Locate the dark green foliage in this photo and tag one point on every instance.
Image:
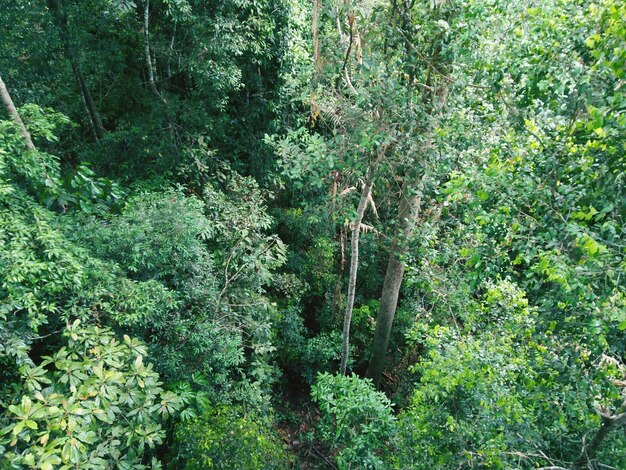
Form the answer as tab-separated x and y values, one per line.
199	303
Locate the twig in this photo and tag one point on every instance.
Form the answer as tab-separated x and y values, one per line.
328	462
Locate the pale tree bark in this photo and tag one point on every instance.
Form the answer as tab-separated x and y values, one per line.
317	54
146	45
61	21
151	69
171	52
408	213
13	114
354	257
338	21
351	40
337	301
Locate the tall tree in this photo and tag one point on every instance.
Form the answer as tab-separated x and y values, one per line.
151	66
431	102
356	227
407	216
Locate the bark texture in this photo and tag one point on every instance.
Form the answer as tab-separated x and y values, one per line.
150	64
408	212
15	116
146	46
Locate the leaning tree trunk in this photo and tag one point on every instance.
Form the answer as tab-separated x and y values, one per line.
588	453
10	107
407	215
354	258
60	18
96	123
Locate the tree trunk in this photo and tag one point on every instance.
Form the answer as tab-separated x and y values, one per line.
609	423
152	71
97	127
8	104
87	113
60	18
407	216
317	55
354	258
146	45
408	213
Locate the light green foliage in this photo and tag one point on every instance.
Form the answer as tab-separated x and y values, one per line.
228	437
495	386
158	236
239	220
535	202
39	173
92	404
356	419
607	45
147	269
44	275
36	262
304	157
107	295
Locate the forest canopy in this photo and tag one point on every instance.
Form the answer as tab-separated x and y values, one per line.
341	234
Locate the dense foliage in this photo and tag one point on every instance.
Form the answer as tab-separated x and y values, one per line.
312	234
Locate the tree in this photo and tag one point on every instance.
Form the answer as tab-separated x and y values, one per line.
407	216
464	158
429	104
150	66
356	228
